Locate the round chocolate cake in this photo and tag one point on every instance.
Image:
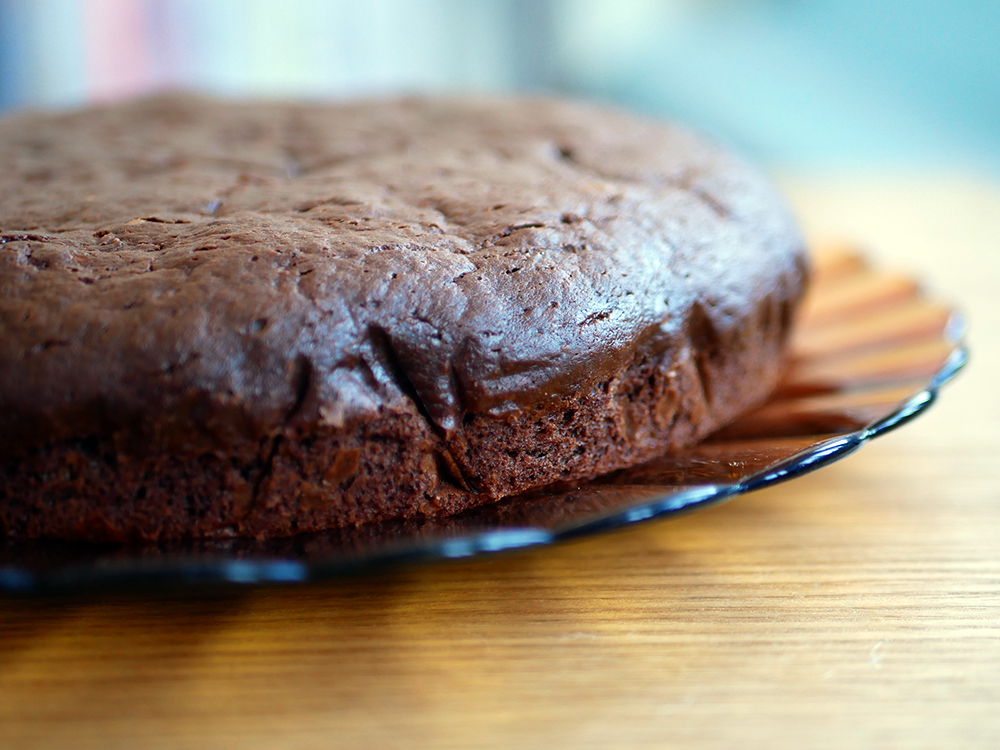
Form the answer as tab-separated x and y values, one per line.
260	319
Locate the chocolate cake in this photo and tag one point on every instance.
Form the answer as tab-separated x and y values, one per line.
259	319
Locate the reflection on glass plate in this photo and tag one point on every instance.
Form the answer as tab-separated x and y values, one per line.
870	352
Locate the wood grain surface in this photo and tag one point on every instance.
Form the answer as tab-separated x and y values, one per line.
856	607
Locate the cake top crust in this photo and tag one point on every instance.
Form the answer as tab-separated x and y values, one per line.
179	264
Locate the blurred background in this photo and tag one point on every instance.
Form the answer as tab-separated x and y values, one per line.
799	84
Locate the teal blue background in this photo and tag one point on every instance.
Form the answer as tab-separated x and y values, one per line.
815	85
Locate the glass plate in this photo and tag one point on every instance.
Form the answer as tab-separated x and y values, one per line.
869	353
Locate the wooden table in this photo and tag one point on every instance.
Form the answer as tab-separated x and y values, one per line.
856	607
